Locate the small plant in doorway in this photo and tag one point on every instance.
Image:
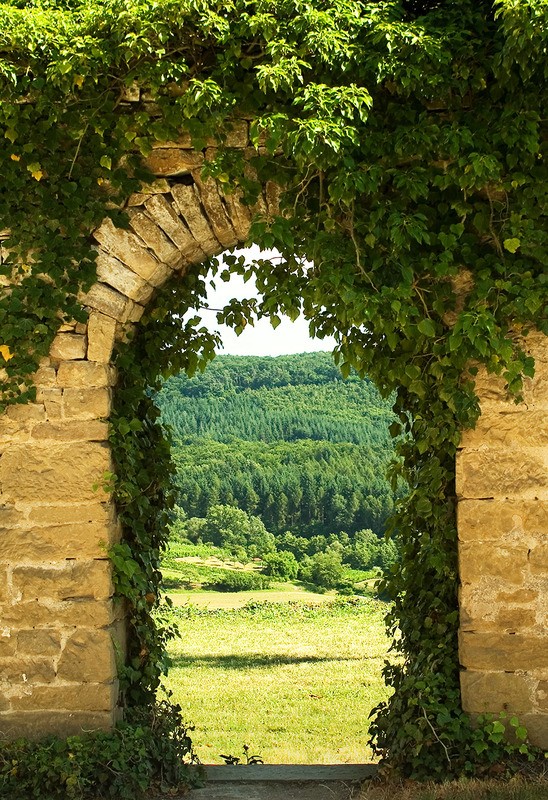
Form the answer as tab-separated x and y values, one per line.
249	759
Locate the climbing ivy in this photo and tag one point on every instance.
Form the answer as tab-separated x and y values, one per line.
408	140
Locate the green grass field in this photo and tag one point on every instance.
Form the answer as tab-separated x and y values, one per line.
294	681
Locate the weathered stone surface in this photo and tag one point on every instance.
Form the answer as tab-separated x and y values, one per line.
509	652
508	522
496	472
84	374
508	565
538	558
86	404
112	272
515	619
156	239
48	613
68	346
173	161
88	656
36	724
127	248
541	695
215	210
101	334
187	202
238	214
72	430
56	471
484	692
85	540
101	512
45	377
4	587
526	429
67	580
108	301
39	642
26	670
8	643
169	221
52	400
79	697
29	412
537	729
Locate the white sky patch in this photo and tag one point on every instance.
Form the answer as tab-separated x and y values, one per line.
260	340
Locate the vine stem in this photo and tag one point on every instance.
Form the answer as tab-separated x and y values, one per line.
436	736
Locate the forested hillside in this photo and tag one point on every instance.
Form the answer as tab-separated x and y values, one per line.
285	439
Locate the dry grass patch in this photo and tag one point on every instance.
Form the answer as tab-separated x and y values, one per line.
516	788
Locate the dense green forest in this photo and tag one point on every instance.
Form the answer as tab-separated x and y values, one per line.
284	439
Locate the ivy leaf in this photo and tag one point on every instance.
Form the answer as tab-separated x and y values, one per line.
427	327
511	245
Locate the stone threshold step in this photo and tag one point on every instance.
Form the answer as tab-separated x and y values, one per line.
295	773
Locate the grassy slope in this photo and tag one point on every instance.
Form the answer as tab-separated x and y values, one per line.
296	683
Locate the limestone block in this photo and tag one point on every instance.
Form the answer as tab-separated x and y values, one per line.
485	559
52	400
67	580
101	512
538	557
273	195
26	670
498	472
86	404
39	643
537	729
57	471
215	211
45	377
493	692
169	221
28	412
4	587
88	655
8	643
72	430
49	613
238	214
68	346
541	695
108	301
127	248
528	428
37	724
183	142
509	522
84	374
502	651
173	161
82	697
112	272
155	238
85	540
515	619
187	202
10	517
101	334
518	596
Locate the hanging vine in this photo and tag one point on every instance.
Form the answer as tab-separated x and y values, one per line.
408	139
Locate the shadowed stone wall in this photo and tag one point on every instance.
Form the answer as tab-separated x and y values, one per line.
61	634
502	484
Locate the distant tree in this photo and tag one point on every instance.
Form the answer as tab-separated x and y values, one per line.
282	564
324	570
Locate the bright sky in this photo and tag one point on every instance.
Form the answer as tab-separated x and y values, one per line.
261	340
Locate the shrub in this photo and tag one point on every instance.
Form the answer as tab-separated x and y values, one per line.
281	565
238	582
150	750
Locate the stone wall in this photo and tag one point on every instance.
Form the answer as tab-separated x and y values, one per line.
502	485
61	634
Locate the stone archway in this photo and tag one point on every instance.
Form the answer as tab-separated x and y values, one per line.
61	637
